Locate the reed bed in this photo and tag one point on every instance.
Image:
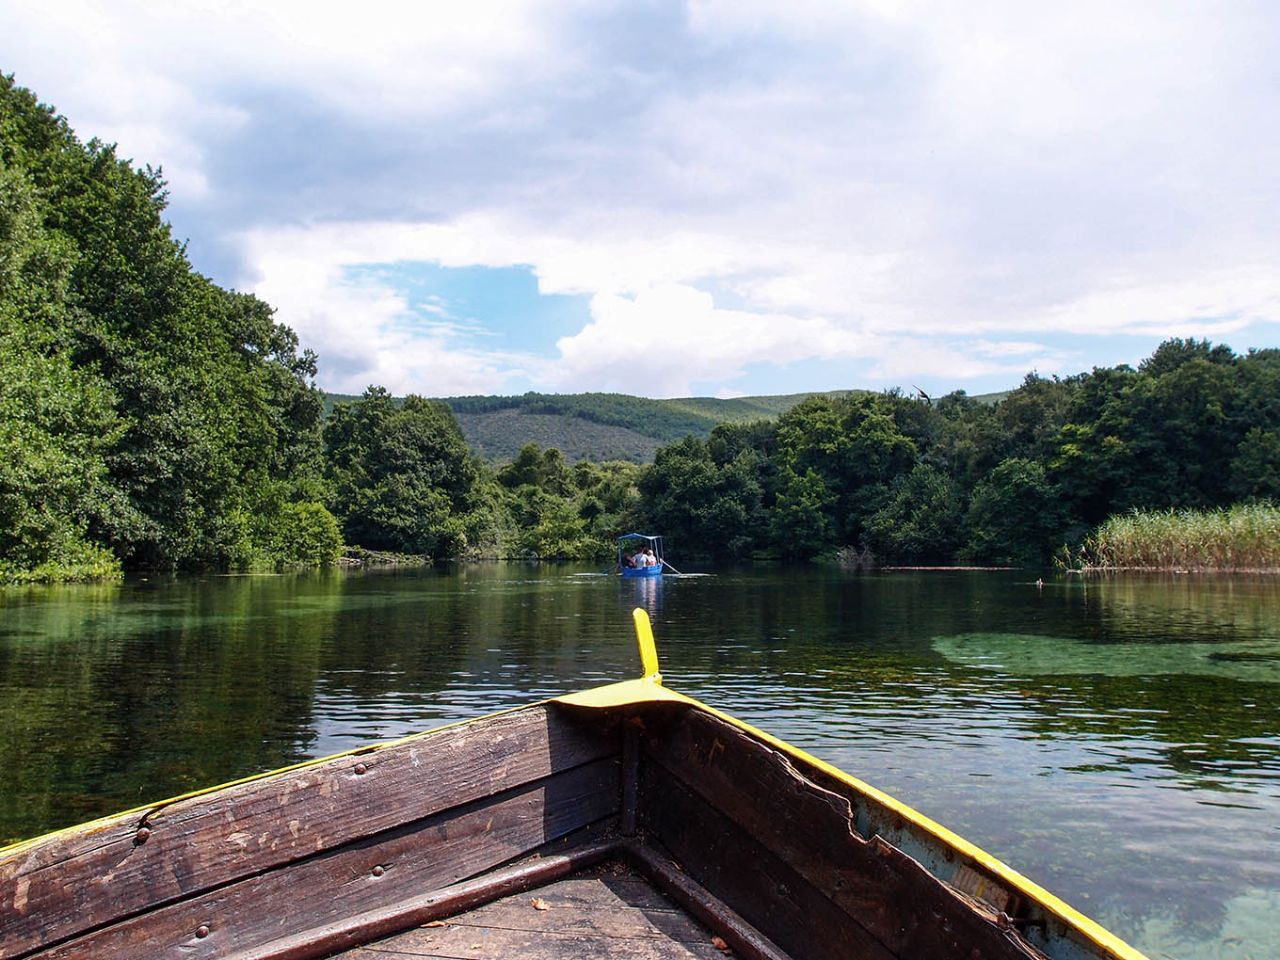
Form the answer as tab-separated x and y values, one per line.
1244	538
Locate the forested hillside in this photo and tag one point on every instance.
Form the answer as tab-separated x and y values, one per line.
915	480
147	415
597	426
605	426
150	419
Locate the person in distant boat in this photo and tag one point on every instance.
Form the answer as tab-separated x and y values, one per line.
649	559
629	560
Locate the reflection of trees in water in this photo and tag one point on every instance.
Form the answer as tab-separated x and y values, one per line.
115	695
1193	607
1191	709
509	627
111	696
1190	668
164	689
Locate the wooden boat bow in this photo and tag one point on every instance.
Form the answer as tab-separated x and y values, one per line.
777	852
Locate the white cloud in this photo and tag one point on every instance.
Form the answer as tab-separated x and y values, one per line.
161	79
368	333
1210	304
931	189
662	340
953	362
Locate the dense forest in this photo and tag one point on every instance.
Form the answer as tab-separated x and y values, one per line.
147	416
914	480
597	426
152	420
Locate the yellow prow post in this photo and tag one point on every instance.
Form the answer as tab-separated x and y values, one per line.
648	649
645	689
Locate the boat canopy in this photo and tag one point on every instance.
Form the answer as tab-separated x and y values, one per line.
640	536
636	539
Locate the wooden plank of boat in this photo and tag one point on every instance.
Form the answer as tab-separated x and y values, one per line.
609	910
143	860
779	854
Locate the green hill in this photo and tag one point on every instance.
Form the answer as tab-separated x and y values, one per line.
596	426
603	426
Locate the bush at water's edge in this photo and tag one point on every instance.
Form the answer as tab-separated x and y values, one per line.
1242	538
78	561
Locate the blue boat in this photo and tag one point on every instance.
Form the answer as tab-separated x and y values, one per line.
639	544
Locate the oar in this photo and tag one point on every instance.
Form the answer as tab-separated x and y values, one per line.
671	568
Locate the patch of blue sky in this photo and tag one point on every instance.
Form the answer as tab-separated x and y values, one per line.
496	309
724	292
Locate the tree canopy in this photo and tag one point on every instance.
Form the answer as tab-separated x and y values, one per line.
153	419
917	480
158	418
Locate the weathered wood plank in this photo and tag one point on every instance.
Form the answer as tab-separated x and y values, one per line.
742	937
890	895
753	882
82	880
590	906
605	913
244	918
496	943
547	864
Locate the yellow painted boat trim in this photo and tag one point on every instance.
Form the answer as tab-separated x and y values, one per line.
1090	929
149	809
649	689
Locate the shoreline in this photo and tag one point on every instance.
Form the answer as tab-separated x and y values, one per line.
1176	571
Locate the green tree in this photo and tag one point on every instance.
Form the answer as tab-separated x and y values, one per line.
801	524
1255	470
703	507
1175	352
855	446
1016	515
542	468
1095	461
214	415
919	521
608	497
971	440
56	420
402	476
1031	416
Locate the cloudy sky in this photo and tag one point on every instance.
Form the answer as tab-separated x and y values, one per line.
716	197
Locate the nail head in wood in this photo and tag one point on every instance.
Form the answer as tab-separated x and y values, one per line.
202	931
361	769
379	871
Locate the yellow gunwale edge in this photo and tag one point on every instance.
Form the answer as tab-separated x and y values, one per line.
648	689
1090	929
147	809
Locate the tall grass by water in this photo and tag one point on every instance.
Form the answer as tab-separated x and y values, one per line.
1243	538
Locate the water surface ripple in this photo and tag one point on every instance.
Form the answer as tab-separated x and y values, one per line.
1117	741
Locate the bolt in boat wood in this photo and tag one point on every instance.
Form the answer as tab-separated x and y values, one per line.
647	823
